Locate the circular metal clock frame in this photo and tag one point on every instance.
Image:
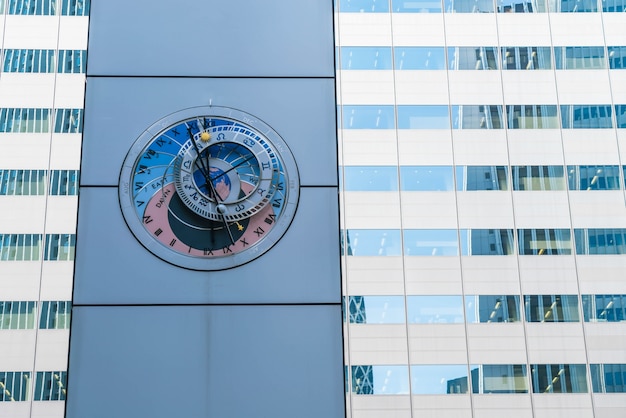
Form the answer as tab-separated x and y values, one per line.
156	191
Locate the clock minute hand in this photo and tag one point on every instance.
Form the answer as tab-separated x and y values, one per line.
221	209
203	169
233	167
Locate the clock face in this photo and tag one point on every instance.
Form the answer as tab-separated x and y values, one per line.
209	188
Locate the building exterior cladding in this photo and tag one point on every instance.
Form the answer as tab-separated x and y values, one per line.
474	137
483	215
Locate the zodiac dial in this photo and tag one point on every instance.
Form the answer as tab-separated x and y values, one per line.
209	188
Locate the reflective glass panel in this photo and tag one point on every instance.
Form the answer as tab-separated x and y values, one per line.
586	116
532	117
28	61
544	241
593	177
492	308
420	58
614	6
487	242
538	177
423	117
431	242
32	7
22	182
380	380
579	57
64	182
60	247
376	309
20	247
17	314
551	308
600	241
559	378
14	386
373	242
499	378
526	58
474	58
477	117
55	314
617	57
435	309
481	177
370	178
68	121
368	117
608	378
51	386
521	6
75	7
20	120
574	6
439	379
365	58
364	6
426	178
604	308
620	115
416	6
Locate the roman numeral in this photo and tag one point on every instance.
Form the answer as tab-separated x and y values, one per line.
270	219
280	186
172	242
160	142
149	154
140	203
143	169
244	242
175	132
265	166
147	219
277	203
138	185
208	251
158	232
259	231
227	249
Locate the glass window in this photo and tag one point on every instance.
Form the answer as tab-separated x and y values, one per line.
363	6
439	379
55	315
368	117
620	115
60	247
600	241
75	7
487	242
50	386
614	6
20	247
544	241
477	117
22	182
365	58
423	117
526	58
499	378
24	120
64	182
481	177
431	242
521	6
416	6
376	309
551	308
32	7
373	242
492	308
72	61
586	116
14	386
532	117
579	57
593	177
68	121
538	177
604	308
380	380
617	57
574	6
374	178
559	378
474	58
608	378
28	61
435	309
17	315
426	178
421	58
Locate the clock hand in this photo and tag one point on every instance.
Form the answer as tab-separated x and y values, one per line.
203	169
232	168
221	209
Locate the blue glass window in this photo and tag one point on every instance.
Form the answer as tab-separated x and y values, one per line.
579	57
544	241
600	241
618	6
474	58
492	308
68	121
421	58
28	61
364	6
586	116
51	386
551	308
380	380
416	6
373	242
538	177
620	115
604	308
423	117
532	117
608	378
55	315
487	242
22	182
435	309
439	379
521	6
75	7
20	247
477	117
19	120
593	177
617	57
60	247
32	7
15	386
575	6
365	58
499	378
370	178
559	378
64	182
72	61
426	178
17	314
526	58
376	309
368	117
481	177
468	6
